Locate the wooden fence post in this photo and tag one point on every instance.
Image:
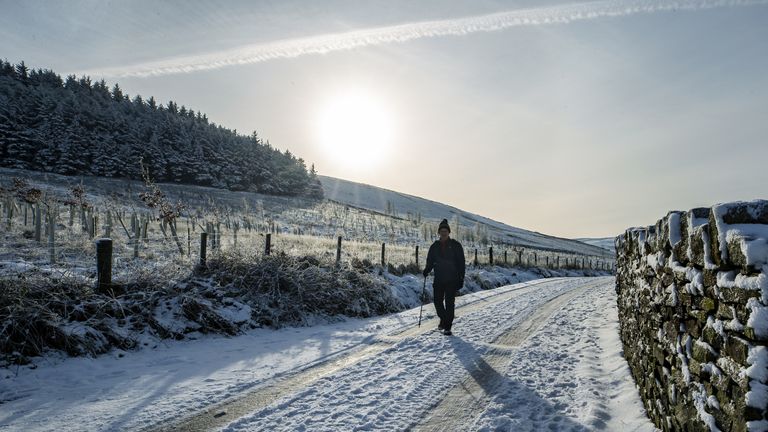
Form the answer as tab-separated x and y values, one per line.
108	228
268	245
417	256
51	234
103	264
189	240
9	213
83	220
383	246
203	244
490	255
38	222
94	225
338	251
505	257
475	256
136	239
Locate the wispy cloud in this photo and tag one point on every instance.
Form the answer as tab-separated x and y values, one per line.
320	44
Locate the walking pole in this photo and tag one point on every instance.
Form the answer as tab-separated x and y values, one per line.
423	288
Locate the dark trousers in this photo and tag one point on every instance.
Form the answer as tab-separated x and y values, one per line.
445	303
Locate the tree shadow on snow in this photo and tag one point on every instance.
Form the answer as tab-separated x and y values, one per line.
506	404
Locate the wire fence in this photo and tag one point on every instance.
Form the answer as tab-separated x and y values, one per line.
62	240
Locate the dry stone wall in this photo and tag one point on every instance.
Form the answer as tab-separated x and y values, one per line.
692	295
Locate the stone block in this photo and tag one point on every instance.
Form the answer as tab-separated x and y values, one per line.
722	388
750	333
671	227
737	349
671	329
707	304
693	327
724	312
682	249
683	414
667	278
698	242
714	244
702	354
680	279
710	336
684	298
710	278
751	212
699	315
744	212
736	295
741	311
724	422
694	366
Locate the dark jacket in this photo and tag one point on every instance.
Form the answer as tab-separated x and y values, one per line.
449	264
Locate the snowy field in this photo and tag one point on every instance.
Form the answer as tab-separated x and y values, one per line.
366	220
539	355
376	198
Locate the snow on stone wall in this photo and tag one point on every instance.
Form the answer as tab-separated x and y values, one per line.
692	295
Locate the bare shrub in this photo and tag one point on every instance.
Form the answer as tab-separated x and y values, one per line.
286	290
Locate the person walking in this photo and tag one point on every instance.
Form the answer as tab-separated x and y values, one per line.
446	257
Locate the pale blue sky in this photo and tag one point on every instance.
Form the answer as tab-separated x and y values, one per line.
572	129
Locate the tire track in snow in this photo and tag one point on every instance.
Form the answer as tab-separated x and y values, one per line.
394	389
467	400
568	376
260	396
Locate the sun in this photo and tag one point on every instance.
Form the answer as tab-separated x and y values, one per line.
354	128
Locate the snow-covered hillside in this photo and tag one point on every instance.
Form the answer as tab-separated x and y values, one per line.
606	243
378	199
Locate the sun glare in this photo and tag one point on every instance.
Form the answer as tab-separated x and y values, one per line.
355	129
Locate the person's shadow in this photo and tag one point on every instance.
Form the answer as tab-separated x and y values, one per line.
506	404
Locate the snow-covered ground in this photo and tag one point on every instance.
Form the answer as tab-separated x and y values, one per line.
536	355
607	243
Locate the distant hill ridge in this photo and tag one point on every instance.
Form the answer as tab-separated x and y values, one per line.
74	126
387	201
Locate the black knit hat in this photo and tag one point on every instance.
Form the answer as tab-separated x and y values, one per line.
444	224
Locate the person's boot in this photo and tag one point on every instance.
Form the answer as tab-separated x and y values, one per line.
447	332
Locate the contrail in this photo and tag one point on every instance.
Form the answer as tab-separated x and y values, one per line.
320	44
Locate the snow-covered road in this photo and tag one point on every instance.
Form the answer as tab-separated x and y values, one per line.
541	355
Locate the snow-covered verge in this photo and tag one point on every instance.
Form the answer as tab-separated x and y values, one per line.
234	293
693	296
